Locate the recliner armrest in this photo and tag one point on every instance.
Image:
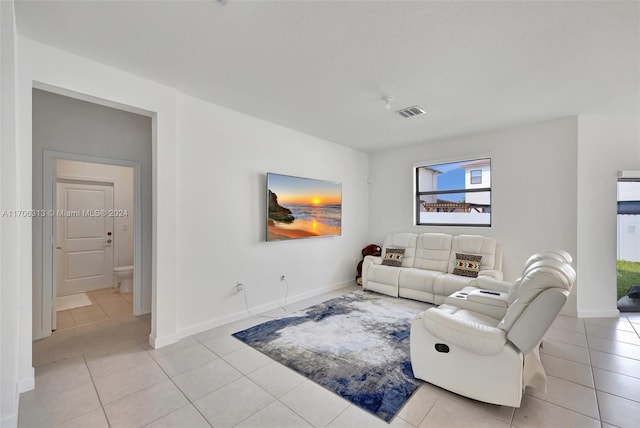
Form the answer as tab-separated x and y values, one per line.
470	335
489	297
491	273
376	260
532	325
488	283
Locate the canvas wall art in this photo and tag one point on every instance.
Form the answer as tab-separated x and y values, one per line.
300	207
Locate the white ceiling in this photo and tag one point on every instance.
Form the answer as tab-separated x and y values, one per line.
321	67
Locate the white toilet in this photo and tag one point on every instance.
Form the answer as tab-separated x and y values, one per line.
125	278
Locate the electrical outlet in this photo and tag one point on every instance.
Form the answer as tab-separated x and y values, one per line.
239	286
281	277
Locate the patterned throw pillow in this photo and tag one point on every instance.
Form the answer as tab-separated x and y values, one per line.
393	257
467	265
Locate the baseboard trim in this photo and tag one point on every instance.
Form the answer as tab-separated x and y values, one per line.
601	313
569	313
23	385
217	322
159	342
9	421
28	383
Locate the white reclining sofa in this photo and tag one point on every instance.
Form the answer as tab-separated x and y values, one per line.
427	267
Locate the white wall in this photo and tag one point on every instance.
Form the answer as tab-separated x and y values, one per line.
122	179
606	145
222	158
12	381
533	177
554	186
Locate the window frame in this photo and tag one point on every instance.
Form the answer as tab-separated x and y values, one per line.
471	177
418	194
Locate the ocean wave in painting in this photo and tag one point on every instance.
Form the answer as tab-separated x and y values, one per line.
330	215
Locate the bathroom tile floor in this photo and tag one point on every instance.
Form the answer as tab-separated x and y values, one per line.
108	303
108	376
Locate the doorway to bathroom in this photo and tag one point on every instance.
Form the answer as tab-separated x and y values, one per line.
94	243
81	152
94	233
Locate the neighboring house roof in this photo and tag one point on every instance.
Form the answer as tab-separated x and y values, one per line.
476	163
430	169
629	207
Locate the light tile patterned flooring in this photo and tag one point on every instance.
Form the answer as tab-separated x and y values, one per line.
108	303
106	374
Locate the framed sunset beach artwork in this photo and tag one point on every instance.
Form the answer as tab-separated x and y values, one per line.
302	207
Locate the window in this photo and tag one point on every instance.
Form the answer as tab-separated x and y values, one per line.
476	176
454	193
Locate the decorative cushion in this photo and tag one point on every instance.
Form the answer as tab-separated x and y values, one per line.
393	257
467	265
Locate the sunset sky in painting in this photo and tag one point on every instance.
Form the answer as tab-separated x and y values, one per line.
296	190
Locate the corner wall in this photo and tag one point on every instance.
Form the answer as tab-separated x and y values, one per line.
534	202
12	380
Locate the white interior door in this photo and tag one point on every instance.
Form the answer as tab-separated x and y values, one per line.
84	237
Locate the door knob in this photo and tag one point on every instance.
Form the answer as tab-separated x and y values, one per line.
108	241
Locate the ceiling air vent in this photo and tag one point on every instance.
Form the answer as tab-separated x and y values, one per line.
411	111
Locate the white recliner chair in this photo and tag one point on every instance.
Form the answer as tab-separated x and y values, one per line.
488	359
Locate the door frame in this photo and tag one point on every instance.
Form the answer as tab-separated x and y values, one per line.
49	238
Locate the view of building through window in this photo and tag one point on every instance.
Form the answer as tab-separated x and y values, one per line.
454	193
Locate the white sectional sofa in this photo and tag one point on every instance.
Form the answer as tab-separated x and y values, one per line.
426	271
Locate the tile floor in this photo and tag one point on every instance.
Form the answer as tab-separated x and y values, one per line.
108	376
107	322
108	303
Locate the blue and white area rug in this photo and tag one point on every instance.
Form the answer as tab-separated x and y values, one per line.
355	345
